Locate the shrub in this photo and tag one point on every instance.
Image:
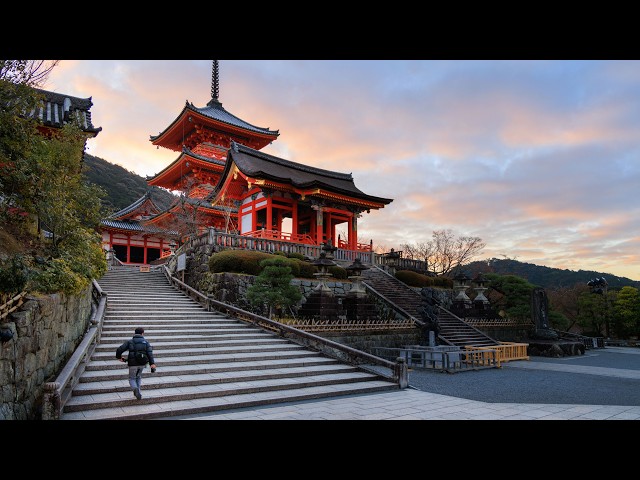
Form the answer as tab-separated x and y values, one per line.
338	272
414	279
238	261
443	282
281	253
14	274
296	255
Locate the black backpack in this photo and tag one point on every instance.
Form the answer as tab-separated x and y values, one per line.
139	356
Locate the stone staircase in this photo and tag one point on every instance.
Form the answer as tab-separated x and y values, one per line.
453	330
206	361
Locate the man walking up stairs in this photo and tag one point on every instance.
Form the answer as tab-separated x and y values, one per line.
207	361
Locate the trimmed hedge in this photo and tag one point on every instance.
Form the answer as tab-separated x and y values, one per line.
248	262
414	279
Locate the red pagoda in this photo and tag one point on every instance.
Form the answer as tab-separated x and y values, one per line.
227	183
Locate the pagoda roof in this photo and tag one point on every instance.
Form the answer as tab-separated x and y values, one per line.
57	108
214	112
135	226
259	165
176	163
126	211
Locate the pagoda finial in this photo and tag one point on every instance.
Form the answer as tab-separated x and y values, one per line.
215	83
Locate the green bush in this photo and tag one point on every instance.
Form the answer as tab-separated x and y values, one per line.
338	272
14	274
299	256
306	269
281	253
237	261
443	282
58	276
414	279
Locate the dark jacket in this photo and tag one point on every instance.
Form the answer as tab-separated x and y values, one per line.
138	342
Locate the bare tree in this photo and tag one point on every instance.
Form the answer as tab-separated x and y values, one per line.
33	73
444	251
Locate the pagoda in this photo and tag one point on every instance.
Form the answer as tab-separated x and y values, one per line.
228	184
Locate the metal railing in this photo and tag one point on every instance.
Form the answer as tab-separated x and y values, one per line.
588	342
330	348
442	358
57	393
346	325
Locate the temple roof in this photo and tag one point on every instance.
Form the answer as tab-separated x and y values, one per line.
135	226
57	108
134	206
216	112
259	165
189	152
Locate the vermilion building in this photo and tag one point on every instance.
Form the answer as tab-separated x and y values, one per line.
227	183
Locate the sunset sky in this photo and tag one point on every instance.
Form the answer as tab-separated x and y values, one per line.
540	159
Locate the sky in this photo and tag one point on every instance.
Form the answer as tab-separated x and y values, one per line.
538	158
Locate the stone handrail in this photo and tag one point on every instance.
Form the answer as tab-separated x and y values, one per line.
333	349
57	393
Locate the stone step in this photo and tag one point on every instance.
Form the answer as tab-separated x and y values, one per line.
154	381
112	364
199	369
146	408
169	345
159	395
164	353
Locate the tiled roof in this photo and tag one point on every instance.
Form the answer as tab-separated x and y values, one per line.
134	226
256	164
215	110
131	207
57	109
187	151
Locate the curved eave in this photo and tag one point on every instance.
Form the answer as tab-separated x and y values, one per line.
181	127
177	169
367	201
134	227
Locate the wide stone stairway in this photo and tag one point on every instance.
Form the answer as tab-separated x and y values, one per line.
453	330
206	361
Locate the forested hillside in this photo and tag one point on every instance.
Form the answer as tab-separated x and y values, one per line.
545	277
122	186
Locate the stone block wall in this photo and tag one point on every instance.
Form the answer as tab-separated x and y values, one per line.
46	331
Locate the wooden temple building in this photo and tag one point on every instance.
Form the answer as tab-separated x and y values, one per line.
227	183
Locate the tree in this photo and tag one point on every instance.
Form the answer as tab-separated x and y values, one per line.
273	286
41	174
444	252
626	320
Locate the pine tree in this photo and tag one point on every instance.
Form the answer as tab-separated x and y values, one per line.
273	286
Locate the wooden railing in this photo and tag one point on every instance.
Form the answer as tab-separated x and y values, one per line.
399	373
324	325
11	305
506	351
57	393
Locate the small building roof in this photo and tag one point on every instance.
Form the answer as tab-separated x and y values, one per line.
58	108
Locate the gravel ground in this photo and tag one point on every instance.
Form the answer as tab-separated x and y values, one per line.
511	384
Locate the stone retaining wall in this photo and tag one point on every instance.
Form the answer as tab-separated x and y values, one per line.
46	331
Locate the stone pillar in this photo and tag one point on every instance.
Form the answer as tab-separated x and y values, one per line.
400	373
51	405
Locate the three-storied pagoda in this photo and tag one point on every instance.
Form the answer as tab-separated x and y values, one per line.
230	185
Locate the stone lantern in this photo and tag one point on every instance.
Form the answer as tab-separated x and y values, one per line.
355	275
392	261
460	284
480	301
357	302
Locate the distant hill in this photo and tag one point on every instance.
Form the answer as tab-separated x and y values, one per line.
122	186
545	277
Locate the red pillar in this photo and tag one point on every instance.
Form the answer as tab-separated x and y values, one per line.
294	220
319	227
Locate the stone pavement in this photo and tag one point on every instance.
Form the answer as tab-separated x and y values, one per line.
412	404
